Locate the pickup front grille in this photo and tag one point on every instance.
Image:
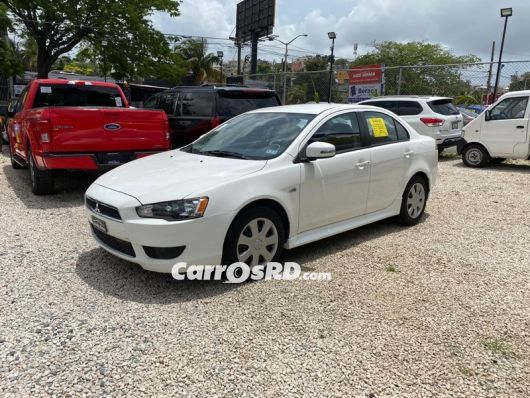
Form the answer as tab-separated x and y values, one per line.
102	208
119	245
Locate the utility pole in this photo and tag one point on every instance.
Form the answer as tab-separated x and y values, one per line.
254	54
490	74
104	45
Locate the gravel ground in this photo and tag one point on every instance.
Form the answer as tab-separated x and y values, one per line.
440	309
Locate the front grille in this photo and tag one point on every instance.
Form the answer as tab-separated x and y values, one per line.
103	209
114	243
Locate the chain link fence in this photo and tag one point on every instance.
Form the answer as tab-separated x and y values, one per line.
467	83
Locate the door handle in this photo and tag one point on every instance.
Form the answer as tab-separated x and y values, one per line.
362	165
520	127
408	154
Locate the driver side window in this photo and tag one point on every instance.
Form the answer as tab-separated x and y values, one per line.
510	108
343	131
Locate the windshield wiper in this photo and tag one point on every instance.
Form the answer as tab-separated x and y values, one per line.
224	154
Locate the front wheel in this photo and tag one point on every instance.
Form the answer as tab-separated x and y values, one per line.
413	202
255	237
41	180
475	156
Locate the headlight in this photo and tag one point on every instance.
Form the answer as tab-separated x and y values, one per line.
175	210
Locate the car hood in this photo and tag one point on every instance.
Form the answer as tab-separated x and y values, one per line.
175	175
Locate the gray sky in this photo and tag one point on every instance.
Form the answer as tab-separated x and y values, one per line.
463	26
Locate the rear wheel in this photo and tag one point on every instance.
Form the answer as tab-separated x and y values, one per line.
255	237
41	180
414	201
475	156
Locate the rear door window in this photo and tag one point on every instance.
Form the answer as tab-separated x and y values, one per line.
384	129
444	107
77	95
391	106
233	104
409	108
195	104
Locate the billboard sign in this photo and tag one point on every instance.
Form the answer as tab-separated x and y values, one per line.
366	82
255	17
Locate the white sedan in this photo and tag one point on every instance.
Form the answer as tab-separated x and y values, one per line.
268	180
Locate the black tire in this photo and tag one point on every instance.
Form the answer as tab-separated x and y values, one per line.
414	201
239	227
41	180
475	156
497	160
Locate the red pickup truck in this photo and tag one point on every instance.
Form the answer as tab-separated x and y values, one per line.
79	125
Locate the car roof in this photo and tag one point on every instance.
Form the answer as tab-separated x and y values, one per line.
209	87
65	81
408	97
516	93
311	109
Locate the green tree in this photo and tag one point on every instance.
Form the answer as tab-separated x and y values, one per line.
420	80
315	80
9	61
520	82
57	26
201	63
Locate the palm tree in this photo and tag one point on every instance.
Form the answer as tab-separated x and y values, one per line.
200	63
29	54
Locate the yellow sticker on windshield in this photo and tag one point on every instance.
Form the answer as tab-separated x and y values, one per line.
378	127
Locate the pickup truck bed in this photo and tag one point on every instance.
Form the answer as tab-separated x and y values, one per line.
61	125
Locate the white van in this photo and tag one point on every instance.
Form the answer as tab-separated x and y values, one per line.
500	132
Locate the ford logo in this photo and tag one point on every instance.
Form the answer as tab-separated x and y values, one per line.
112	126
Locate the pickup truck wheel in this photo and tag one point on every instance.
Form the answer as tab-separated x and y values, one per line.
41	180
414	202
475	156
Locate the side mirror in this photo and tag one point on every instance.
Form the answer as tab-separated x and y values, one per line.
487	115
320	150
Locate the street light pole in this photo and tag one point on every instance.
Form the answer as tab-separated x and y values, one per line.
505	13
104	45
332	36
284	90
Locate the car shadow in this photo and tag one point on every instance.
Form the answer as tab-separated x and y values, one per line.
337	243
503	167
129	282
69	190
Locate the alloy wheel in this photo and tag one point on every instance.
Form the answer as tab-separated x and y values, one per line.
416	200
258	242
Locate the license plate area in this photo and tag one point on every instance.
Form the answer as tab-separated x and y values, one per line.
99	224
454	125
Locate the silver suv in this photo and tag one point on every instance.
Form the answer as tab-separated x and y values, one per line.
435	117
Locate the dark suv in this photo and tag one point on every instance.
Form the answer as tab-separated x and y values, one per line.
193	111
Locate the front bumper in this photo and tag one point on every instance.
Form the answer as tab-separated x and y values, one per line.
196	242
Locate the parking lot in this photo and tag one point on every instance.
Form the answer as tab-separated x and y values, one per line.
440	309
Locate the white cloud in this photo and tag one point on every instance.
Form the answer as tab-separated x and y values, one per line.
463	26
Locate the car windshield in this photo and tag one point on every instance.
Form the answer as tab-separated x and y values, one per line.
256	136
